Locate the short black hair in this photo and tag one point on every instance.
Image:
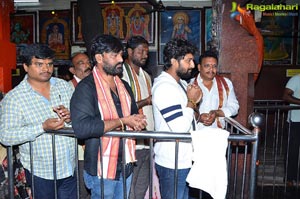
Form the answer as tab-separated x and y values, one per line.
39	51
177	49
135	41
105	44
207	54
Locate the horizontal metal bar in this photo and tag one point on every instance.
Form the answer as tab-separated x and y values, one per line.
156	135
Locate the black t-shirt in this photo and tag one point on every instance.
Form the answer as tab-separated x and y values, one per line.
129	167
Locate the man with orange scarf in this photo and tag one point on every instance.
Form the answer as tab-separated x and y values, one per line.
219	99
103	102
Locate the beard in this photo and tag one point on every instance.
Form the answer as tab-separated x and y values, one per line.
138	62
113	70
182	74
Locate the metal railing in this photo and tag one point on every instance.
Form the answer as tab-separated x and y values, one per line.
273	150
241	156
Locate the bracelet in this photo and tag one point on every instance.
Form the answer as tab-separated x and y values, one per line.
193	103
122	124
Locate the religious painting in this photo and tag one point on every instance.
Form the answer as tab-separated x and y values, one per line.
138	22
126	19
278	39
55	31
113	17
122	19
184	24
22	31
22	28
207	24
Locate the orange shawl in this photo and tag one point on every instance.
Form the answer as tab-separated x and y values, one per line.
108	111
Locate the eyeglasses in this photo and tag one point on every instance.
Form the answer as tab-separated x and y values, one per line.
40	64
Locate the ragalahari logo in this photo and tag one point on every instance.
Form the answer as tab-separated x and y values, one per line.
233	7
267	9
235	10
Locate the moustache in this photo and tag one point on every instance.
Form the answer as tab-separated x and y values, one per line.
120	63
88	69
210	72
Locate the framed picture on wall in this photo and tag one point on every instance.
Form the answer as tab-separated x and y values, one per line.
121	19
278	39
179	24
55	31
77	38
23	30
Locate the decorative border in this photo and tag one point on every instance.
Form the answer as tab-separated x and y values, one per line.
168	27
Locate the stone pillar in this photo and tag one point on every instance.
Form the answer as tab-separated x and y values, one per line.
7	49
239	57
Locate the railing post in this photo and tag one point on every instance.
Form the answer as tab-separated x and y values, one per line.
151	168
54	165
176	168
253	173
10	172
256	120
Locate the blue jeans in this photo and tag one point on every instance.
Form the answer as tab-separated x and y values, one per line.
44	189
113	189
166	178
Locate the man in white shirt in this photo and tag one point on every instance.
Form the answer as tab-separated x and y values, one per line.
140	82
80	68
219	98
174	104
291	95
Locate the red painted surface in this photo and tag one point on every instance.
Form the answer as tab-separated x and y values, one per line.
239	57
7	49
